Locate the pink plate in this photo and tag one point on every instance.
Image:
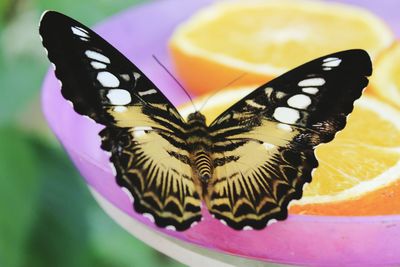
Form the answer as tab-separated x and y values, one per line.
306	240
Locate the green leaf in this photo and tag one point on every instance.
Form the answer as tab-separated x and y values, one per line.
22	62
113	246
72	230
60	235
19	187
20	82
6	8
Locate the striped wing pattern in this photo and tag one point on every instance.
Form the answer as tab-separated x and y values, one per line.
264	144
247	165
142	128
161	184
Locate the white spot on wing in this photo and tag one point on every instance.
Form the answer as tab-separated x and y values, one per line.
247	228
268	91
128	193
223	222
119	97
299	101
280	94
312	82
254	104
98	65
272	221
286	115
148	92
326	68
171	228
194	224
268	146
97	56
88	118
79	31
120	109
313	171
107	79
70	103
125	77
284	127
149	216
305	186
331	61
310	90
141	131
136	75
143	128
113	170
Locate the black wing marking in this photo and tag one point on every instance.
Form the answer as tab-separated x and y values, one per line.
143	129
317	95
95	76
157	175
281	122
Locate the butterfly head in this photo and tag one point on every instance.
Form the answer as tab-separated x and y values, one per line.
196	117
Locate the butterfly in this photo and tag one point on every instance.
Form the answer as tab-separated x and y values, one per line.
246	166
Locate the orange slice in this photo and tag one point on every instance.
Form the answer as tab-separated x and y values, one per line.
385	81
359	171
267	38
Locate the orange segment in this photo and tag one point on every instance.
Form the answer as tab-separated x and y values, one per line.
266	38
353	133
382	201
359	171
344	166
385	81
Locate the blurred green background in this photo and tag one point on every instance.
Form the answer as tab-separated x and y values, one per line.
47	215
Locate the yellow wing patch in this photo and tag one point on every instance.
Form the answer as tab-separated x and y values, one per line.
260	180
134	116
156	174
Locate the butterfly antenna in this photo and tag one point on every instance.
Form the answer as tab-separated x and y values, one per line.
223	87
175	79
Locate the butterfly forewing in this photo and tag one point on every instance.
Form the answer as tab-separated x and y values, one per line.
264	144
143	129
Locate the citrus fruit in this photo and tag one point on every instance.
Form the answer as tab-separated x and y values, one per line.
359	171
385	81
266	38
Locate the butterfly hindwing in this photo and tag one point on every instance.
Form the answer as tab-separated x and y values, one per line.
256	187
161	183
264	144
143	129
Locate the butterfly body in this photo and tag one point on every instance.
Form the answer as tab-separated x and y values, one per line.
200	147
246	165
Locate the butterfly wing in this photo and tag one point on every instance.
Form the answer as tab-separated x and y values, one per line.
264	144
144	131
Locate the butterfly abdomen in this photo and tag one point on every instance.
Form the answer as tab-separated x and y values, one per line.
203	165
199	144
